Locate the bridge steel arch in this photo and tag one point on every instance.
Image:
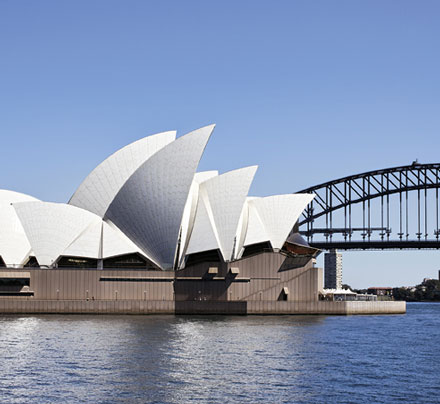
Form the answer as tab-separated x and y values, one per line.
342	194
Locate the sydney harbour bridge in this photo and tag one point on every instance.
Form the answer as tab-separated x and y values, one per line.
393	208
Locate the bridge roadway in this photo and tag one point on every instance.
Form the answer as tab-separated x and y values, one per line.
377	245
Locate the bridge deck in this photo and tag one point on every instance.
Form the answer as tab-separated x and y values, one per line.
378	245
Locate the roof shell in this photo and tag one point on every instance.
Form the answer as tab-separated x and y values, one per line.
189	213
115	243
149	207
204	235
278	214
14	245
256	232
87	243
98	190
56	229
101	239
52	227
221	200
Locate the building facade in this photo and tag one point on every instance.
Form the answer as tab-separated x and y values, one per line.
333	270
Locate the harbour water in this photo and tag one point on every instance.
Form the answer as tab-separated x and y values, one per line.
242	359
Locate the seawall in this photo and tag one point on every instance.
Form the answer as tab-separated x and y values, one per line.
33	306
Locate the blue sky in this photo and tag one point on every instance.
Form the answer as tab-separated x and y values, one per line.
308	90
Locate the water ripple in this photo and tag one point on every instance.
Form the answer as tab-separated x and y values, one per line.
167	359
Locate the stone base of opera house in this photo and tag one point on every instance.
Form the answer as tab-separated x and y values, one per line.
266	283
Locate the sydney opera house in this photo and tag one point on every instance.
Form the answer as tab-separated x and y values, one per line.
145	232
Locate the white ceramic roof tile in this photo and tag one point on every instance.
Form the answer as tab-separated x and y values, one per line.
279	214
226	195
52	227
149	207
14	245
100	187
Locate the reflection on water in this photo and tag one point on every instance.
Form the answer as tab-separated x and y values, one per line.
167	359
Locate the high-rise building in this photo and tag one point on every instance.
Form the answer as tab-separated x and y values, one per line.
333	270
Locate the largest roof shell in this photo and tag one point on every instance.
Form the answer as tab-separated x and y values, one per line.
150	205
98	190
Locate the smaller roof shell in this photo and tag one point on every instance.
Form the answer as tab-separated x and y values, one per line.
14	244
189	212
56	230
220	205
272	218
115	243
204	236
52	227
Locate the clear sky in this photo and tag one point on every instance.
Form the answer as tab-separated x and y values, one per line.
308	90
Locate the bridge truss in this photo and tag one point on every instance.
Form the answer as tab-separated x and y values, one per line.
360	211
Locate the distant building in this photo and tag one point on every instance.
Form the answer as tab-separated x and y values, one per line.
379	291
333	270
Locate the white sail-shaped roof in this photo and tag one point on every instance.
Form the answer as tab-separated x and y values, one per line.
115	243
14	245
87	243
100	187
203	176
56	230
189	212
204	236
223	198
52	227
227	194
256	232
101	240
277	214
149	207
242	230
